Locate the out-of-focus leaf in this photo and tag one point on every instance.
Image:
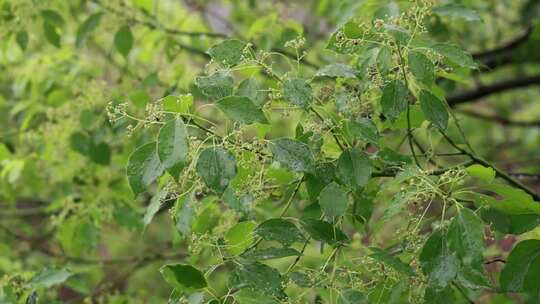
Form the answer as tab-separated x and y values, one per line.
87	27
49	277
123	40
456	11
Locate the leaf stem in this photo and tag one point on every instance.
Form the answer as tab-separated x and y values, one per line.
409	131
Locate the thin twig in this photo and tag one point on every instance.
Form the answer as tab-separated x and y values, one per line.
499	172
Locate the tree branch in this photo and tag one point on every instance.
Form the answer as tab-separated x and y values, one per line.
502	55
501	120
511	180
483	91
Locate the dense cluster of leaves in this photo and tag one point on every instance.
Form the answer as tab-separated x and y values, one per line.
260	178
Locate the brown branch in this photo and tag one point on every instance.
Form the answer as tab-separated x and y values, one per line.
157	25
495	260
529	176
498	87
501	120
502	55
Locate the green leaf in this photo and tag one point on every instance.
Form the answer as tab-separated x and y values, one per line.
333	200
51	34
335	70
530	12
241	109
440	266
154	206
434	109
241	204
251	89
239	237
487	174
351	296
217	167
394	99
293	154
172	147
177	104
22	39
143	167
301	279
317	180
207	220
186	212
392	261
384	60
354	168
99	153
521	273
139	97
465	237
279	230
456	11
509	223
416	118
422	68
455	54
445	295
80	142
216	86
182	276
270	253
401	35
87	27
298	92
78	236
123	40
229	52
258	277
52	17
364	129
249	296
351	30
49	277
325	232
514	200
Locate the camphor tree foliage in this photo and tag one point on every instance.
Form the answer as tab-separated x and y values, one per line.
308	151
